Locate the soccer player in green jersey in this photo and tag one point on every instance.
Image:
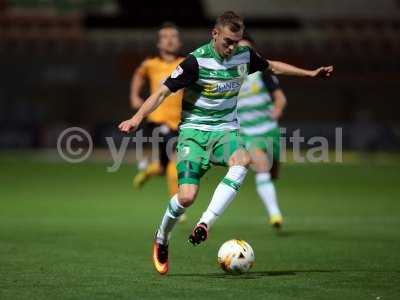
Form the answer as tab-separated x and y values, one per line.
208	134
261	102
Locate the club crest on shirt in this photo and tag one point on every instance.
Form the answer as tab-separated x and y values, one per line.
177	72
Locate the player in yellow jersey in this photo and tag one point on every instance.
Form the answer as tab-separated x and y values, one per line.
167	116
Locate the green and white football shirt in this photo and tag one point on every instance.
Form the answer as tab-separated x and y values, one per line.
255	104
212	86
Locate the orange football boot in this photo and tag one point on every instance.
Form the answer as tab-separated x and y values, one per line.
160	257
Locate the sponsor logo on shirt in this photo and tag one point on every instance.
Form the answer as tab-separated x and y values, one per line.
228	86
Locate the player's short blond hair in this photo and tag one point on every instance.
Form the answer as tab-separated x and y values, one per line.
232	20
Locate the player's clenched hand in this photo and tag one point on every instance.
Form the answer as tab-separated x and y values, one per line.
322	72
130	125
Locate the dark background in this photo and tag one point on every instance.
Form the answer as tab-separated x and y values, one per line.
69	63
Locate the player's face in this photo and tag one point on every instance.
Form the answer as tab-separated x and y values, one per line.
169	41
226	41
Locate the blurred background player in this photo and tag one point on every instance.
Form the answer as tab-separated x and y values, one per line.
167	116
261	103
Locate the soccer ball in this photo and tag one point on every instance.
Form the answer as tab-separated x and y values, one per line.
236	257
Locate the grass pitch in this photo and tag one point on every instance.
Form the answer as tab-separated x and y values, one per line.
78	232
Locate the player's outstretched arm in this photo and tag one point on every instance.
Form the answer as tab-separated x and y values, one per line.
281	68
148	106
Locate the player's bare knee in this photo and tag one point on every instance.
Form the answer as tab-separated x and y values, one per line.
261	166
259	161
240	158
186	199
187	196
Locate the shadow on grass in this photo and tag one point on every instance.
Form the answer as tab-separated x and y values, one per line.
254	275
261	274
